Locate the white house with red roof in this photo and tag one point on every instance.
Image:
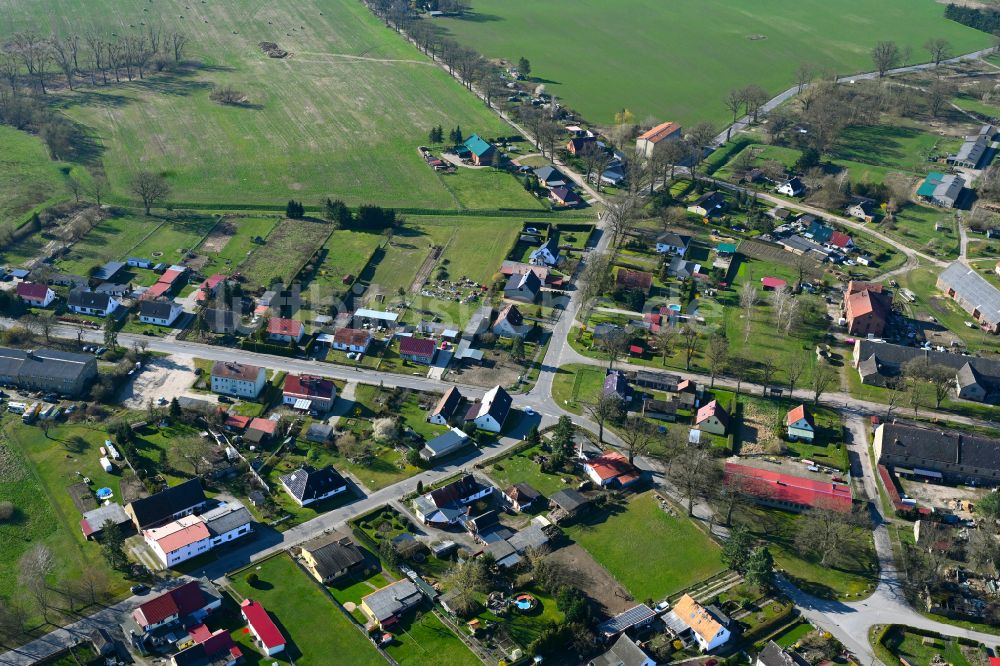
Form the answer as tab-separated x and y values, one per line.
352	340
208	288
35	294
650	141
800	425
309	392
265	632
712	418
180	540
417	350
840	240
611	469
189	603
280	329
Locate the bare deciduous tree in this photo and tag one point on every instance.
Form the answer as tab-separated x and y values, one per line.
689	337
637	436
151	188
716	355
824	377
939	49
885	56
605	407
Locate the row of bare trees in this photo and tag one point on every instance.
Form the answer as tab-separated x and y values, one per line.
97	56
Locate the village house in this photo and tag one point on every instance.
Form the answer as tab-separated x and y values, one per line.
624	652
862	209
626	278
210	649
260	430
774	655
800	425
709	204
661	410
793	187
238	379
285	330
179	540
769	283
491	412
160	312
564	197
386	606
547	254
612	470
92	303
651	141
444	444
522	496
522	287
352	340
567	504
65	373
309	393
576	145
219	321
417	350
266	634
185	605
209	287
330	557
167	505
689	619
227	521
549	177
712	418
867	308
935	455
971	153
446	408
616	386
510	323
973	294
308	484
631	619
672	243
482	151
444	506
35	294
682	269
92	523
789	492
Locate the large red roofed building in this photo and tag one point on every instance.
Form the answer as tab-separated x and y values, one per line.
785	491
179	603
650	140
867	308
263	628
35	294
612	469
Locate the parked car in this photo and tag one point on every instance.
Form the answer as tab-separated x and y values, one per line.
225	399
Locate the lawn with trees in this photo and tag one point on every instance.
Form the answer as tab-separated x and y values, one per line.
715	46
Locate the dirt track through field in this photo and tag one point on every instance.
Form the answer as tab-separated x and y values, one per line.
425	268
324	57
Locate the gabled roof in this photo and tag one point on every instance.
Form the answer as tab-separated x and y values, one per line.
164	504
478	145
624	652
549	173
219	320
393	599
262	624
973	289
308	483
615	384
181	601
352	336
630	279
613	465
333	553
496	403
564	194
226	518
178	534
416	346
661	132
237	371
773	282
32	290
522	493
673	238
310	386
89	299
157	309
510	314
712	409
944	447
282	326
769	485
568	499
695	616
839	239
527	280
797	414
237	421
448	403
774	655
455	492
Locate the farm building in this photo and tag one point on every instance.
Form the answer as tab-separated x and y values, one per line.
941	190
786	491
651	141
973	293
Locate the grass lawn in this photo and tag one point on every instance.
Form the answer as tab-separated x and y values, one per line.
482	189
898	146
285	249
232	241
930	301
524	628
661	555
763	44
29	179
852	573
790	636
425	639
299	607
918	649
35	471
175	239
112	239
915	227
341	117
976	105
576	384
520	468
345	253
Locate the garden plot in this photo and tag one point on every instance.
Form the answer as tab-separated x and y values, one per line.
289	245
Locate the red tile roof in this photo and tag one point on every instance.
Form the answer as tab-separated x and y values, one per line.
157	290
630	279
280	326
237	421
213	282
264	425
170	275
636	349
181	601
797	490
772	282
233	370
613	465
261	624
416	346
309	386
178	534
352	336
661	132
712	409
32	290
797	414
839	239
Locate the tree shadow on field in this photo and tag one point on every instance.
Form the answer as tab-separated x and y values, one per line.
477	17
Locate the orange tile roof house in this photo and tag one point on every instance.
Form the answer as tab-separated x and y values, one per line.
352	339
612	469
648	142
630	279
801	427
285	330
690	617
867	308
180	540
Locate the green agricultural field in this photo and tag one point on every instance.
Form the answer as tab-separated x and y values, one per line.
285	250
298	606
29	179
477	246
173	240
341	116
231	242
678	61
662	555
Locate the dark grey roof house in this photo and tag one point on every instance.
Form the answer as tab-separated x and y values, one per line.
332	556
47	370
938	455
170	504
523	288
307	484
